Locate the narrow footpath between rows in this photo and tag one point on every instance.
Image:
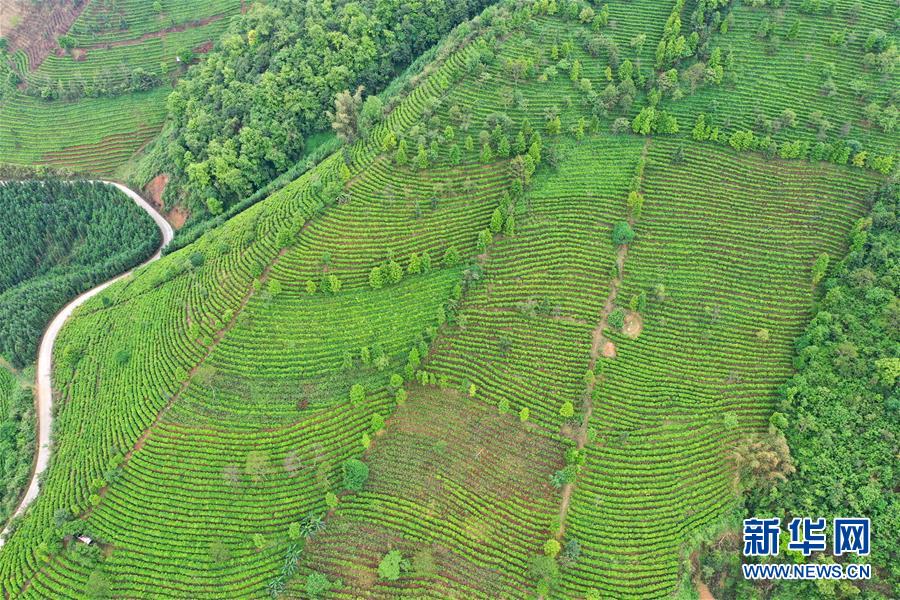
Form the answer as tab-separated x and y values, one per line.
44	387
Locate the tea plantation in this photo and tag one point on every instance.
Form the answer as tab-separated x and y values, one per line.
512	340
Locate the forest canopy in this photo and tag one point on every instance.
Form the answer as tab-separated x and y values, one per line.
59	239
241	117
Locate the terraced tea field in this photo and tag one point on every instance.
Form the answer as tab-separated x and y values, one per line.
732	240
95	135
110	40
813	64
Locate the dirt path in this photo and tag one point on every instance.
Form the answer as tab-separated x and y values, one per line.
580	435
599	347
44	387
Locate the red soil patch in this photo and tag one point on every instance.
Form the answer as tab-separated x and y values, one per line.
609	350
203	48
704	592
153	191
41	25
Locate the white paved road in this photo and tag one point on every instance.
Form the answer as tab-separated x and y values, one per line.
44	388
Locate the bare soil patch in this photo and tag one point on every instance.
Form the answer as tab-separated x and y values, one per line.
609	350
153	191
39	26
634	324
704	592
10	15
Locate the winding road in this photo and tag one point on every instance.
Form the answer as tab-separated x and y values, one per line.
44	388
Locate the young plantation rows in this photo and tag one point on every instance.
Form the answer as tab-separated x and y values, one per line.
115	64
463	492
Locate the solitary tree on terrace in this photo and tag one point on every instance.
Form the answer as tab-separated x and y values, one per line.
345	118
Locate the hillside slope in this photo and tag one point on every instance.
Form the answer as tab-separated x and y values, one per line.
455	300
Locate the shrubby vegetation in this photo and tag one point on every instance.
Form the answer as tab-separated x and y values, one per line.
16	440
60	238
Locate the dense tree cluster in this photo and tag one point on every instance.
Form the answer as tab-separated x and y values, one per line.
59	239
112	81
240	117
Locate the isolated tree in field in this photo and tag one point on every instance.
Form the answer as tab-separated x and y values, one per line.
345	118
496	220
567	410
317	585
66	42
524	414
552	548
421	162
394	272
376	279
451	257
485	237
401	157
554	125
487	155
377	423
414	267
389	141
622	233
503	148
616	318
310	286
334	284
391	565
820	267
509	226
414	359
454	155
357	393
575	74
635	204
356	473
370	115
